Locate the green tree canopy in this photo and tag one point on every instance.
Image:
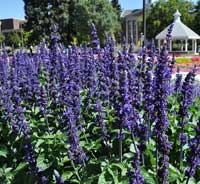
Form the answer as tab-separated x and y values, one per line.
117	6
99	12
13	39
2	38
41	15
161	15
197	18
73	17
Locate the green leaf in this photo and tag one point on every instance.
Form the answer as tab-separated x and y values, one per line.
41	162
20	167
121	166
102	179
35	110
132	148
3	151
67	175
149	178
114	176
174	174
39	142
128	155
192	181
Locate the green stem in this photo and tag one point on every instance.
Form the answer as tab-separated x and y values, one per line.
88	143
47	123
181	149
188	179
134	144
76	171
120	150
157	155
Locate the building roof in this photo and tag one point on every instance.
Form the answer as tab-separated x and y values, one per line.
134	12
180	31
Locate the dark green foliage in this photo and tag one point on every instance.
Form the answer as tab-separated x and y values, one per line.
197	18
2	38
73	18
13	38
117	6
42	15
38	19
99	12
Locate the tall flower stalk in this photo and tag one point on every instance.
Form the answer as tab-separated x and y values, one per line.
186	101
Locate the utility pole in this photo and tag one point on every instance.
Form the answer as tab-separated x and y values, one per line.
144	21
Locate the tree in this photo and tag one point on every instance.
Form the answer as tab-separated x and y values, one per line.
161	15
2	38
73	17
38	20
117	6
41	15
13	39
197	18
99	12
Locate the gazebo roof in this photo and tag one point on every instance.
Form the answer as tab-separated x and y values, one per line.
180	31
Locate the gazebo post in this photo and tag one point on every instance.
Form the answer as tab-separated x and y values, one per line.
181	45
195	46
159	44
186	45
170	46
192	45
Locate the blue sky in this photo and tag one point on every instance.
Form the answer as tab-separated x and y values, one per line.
15	8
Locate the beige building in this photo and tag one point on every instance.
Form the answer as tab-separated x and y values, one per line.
133	22
7	25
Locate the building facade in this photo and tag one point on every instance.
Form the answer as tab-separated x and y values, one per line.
133	22
7	25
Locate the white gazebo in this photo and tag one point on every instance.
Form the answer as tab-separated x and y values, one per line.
180	33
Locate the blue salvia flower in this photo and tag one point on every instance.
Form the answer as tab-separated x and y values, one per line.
54	36
100	120
109	47
186	101
43	100
125	106
161	88
148	100
194	155
103	84
178	81
75	152
124	48
131	48
186	95
95	43
169	35
164	150
135	176
22	127
4	68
